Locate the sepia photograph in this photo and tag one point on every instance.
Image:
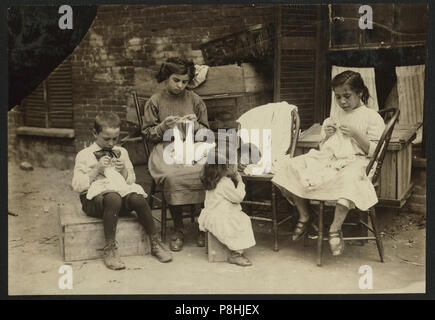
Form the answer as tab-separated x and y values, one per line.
217	149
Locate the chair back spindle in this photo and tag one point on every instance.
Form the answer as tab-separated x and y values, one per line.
296	123
136	99
392	115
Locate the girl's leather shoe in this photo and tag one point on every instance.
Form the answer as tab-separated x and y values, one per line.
336	242
300	230
177	241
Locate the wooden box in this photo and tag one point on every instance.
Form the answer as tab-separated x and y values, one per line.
217	252
395	180
82	237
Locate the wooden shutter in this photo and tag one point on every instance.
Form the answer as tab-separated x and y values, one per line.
50	104
36	108
60	113
297	59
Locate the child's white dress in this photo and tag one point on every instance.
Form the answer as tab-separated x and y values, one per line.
223	216
323	175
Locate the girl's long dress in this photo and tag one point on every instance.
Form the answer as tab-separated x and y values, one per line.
348	185
181	183
223	216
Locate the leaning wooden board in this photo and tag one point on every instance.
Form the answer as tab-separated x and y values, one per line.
395	180
82	237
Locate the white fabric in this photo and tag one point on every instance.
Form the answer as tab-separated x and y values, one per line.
188	152
223	216
200	76
275	117
318	175
368	76
114	182
86	165
410	89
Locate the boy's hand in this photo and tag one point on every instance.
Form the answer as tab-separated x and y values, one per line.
119	165
103	163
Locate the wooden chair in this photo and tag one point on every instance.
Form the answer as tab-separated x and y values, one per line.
250	180
139	102
390	115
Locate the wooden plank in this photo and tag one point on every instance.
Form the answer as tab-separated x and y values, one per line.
217	252
46	132
389	176
277	53
222	80
299	43
82	237
219	102
396	203
404	163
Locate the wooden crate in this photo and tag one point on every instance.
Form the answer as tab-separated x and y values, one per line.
395	180
82	237
217	252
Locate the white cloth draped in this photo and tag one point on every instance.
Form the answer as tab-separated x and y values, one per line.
410	88
275	117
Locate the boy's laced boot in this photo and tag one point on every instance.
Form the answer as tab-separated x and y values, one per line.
111	256
158	250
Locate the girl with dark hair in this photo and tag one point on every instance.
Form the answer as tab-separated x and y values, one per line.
222	214
164	111
337	171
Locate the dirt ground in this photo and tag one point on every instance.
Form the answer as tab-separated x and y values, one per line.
34	256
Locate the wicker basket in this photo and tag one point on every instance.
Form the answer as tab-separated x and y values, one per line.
250	45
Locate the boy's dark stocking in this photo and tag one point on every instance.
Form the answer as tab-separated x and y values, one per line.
138	203
140	206
112	205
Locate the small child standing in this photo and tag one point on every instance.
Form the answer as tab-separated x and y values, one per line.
222	214
104	176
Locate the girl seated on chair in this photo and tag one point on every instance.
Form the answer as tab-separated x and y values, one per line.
164	111
222	214
337	171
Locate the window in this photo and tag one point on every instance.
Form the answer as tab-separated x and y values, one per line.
50	104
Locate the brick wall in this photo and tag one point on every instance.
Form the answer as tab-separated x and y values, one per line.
39	151
126	45
123	50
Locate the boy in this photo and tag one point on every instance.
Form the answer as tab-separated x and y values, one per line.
110	199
